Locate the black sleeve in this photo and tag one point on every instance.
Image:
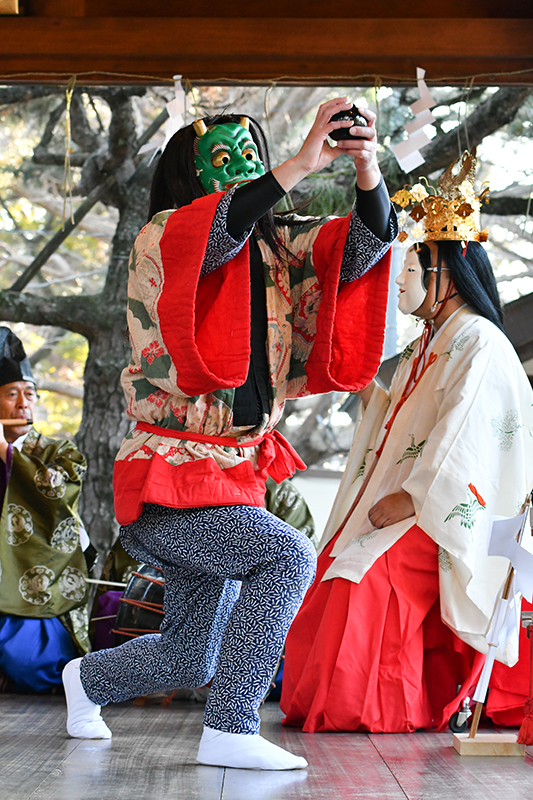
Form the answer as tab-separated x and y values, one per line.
374	208
250	202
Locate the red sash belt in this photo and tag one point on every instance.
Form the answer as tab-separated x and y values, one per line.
276	455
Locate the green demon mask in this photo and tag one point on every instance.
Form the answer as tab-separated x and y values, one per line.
225	155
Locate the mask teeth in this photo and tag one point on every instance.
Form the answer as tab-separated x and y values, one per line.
195	147
216	185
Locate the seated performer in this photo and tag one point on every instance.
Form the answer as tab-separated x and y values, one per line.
226	320
405	589
43	618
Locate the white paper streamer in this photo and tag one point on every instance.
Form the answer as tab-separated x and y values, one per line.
505	537
176	119
407	153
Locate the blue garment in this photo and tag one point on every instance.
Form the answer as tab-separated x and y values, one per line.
212	628
33	652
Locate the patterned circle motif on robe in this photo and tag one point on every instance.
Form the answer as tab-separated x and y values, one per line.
51	482
79	618
66	536
79	469
72	585
19	525
34	583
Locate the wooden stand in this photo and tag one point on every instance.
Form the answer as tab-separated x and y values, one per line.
488	744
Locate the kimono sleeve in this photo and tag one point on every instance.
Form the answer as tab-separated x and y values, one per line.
476	462
190	334
350	322
53	468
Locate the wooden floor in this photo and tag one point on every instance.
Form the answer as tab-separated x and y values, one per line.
152	757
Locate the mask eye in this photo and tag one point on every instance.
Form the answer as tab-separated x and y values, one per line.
249	154
221	158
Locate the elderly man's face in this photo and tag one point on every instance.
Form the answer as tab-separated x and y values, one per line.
17	401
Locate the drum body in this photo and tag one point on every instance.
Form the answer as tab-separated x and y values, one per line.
141	606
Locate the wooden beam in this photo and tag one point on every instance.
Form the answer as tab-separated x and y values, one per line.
330	50
382	9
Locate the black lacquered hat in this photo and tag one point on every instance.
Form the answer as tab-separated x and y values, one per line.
14	363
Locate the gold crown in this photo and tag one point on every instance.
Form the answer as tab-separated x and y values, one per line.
451	212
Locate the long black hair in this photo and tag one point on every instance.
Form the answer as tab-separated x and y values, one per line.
471	273
175	183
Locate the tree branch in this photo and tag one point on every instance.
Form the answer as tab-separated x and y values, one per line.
87	314
118	154
96	195
53	336
9	95
58	159
60	387
508	206
498	110
82	132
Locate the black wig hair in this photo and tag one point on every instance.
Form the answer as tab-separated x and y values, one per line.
176	184
471	273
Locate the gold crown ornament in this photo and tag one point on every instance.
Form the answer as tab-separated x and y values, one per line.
450	212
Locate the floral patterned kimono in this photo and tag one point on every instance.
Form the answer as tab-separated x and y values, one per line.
368	649
190	336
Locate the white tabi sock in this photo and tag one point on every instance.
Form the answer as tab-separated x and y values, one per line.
244	751
83	716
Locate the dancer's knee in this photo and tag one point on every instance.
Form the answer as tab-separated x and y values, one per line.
299	560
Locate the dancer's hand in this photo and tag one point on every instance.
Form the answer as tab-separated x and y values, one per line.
316	151
364	151
391	508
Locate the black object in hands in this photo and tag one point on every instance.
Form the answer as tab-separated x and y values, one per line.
355	116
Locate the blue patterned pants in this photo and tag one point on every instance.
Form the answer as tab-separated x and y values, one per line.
212	629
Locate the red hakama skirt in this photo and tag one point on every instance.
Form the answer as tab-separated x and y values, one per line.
376	656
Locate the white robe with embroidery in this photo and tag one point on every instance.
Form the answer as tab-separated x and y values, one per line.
462	447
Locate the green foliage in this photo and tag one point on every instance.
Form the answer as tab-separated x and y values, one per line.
329	193
63	414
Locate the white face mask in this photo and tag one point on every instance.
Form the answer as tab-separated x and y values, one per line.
412	291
